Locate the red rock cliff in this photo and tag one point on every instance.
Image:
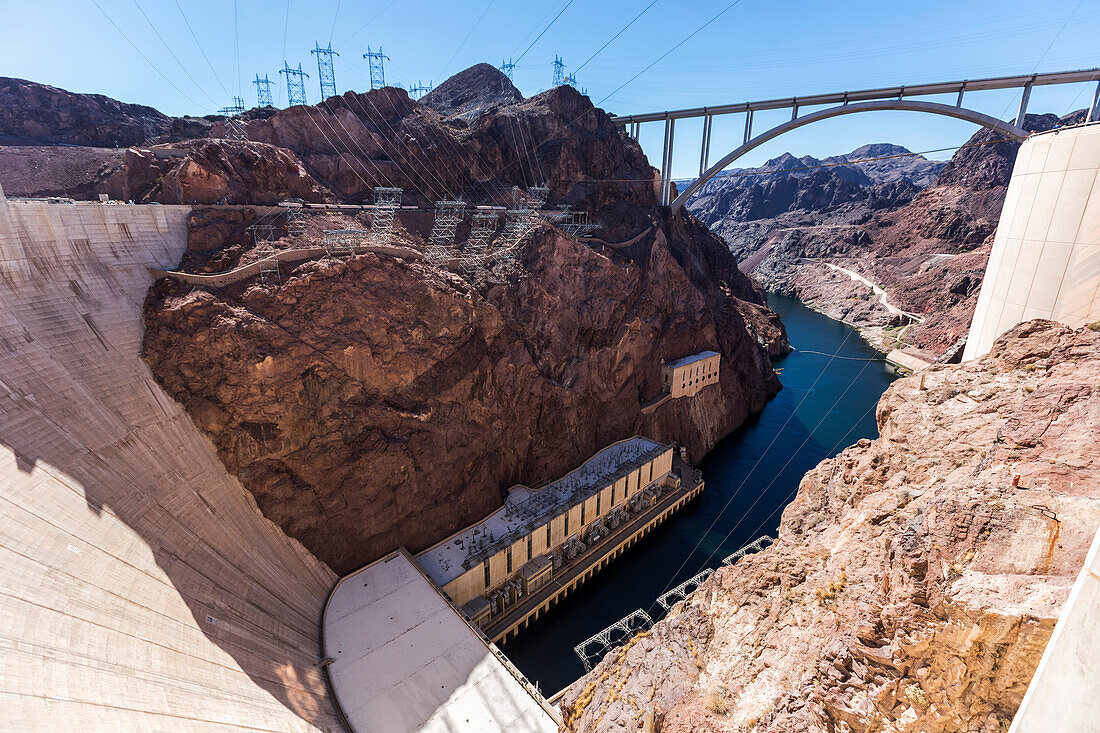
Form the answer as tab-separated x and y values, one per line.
913	586
374	402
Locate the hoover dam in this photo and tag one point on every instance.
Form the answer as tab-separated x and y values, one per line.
439	408
142	586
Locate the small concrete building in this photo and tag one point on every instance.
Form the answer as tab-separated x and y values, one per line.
488	566
685	377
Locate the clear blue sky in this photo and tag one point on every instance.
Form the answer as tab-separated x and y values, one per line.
758	49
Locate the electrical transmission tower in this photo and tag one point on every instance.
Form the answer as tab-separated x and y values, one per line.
234	109
377	67
386	202
234	127
263	91
559	71
441	240
418	90
571	80
482	228
295	84
325	74
508	69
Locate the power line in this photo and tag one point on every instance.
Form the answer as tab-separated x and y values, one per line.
203	52
468	34
540	35
236	50
758	172
778	473
694	33
621	31
134	46
365	25
170	51
334	17
756	465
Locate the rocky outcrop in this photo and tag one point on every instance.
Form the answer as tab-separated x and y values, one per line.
42	170
209	172
927	249
477	88
373	402
915	580
38	114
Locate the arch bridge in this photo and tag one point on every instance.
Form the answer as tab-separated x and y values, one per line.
844	103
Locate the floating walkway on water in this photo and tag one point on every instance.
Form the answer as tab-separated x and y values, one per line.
596	647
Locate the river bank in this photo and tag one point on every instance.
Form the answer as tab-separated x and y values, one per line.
832	383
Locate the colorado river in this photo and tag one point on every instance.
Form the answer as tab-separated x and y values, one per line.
826	404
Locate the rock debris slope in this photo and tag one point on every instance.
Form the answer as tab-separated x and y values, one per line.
374	402
913	586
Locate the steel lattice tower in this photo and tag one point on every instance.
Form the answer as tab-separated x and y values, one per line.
571	80
559	71
386	202
234	127
482	227
377	60
441	241
418	90
263	91
325	73
508	69
295	84
263	235
234	109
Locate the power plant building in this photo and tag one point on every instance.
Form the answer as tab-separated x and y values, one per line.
685	377
512	553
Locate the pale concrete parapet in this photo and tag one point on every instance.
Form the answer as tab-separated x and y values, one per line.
1064	694
912	359
1045	261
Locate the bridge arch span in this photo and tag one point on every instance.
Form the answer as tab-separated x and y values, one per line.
947	110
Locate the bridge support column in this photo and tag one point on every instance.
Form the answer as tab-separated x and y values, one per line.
704	153
666	163
1094	108
959	100
748	126
1023	105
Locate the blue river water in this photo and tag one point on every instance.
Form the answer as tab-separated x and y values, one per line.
827	403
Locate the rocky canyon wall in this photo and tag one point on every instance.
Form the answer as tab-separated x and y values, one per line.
924	238
373	401
915	580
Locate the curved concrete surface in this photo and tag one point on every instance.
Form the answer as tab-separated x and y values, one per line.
904	105
1045	261
1062	694
140	587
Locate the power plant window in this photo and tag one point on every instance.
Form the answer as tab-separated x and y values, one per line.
486	573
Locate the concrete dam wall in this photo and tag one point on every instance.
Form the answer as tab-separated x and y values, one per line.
141	587
1045	261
